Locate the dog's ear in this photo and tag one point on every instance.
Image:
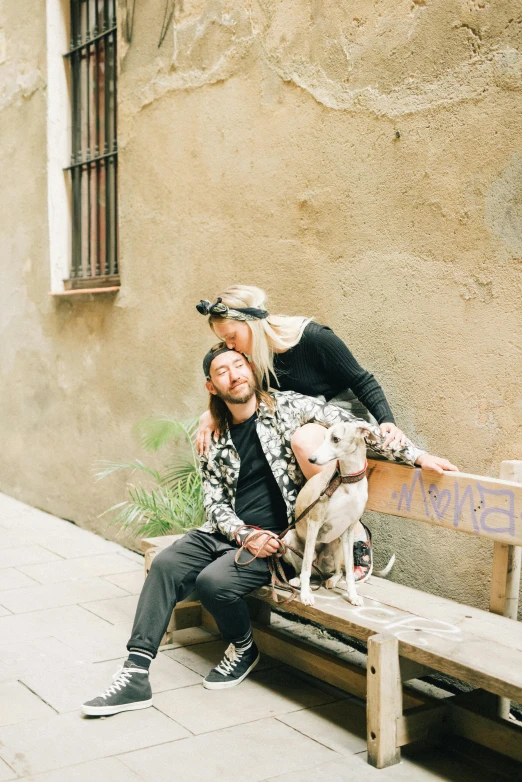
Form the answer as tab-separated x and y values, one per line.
369	431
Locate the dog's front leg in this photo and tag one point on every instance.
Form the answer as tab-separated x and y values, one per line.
348	537
293	559
307	597
335	548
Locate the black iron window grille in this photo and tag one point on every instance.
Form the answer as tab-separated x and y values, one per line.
94	158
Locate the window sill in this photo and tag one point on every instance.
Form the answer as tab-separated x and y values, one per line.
85	291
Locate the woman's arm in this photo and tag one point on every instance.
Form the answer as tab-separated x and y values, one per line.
341	367
206	429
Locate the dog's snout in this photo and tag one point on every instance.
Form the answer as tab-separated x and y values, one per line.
312	459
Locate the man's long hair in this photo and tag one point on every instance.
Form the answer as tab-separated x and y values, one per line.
221	414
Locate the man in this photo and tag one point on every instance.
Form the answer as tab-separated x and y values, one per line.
250	478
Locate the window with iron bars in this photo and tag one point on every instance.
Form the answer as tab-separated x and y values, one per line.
94	155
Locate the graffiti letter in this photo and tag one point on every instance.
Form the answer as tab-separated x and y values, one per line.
506	497
468	493
407	496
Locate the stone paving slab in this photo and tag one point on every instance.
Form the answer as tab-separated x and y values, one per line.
130	582
41	596
26	555
20	628
85	567
17	704
19	660
341	726
67	739
65	689
106	643
261	695
12	578
245	753
434	765
119	610
6	772
106	770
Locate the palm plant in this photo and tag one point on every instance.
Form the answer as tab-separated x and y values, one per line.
171	500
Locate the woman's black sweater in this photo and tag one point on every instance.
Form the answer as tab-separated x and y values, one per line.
321	364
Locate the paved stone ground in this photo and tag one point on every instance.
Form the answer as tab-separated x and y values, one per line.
67	599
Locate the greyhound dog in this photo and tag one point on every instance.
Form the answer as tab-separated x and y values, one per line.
330	523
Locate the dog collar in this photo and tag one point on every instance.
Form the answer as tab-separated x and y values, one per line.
352	477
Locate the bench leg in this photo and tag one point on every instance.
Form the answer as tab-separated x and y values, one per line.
384	700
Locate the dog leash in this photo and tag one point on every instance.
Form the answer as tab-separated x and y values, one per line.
278	577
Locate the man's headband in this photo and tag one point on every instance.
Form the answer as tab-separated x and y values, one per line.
213	353
232	313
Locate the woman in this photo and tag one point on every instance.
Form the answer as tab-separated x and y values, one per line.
297	354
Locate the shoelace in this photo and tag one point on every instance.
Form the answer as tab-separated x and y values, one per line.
120	680
230	660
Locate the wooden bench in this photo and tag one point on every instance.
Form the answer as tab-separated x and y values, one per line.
409	632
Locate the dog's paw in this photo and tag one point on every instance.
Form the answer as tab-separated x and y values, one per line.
307	598
355	599
295	582
332	582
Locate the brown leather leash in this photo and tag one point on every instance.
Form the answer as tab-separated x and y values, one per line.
278	577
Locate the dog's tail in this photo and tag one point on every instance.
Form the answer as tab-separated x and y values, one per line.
385	571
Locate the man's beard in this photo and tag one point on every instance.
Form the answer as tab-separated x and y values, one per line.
240	400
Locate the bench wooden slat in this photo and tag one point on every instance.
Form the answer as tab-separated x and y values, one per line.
489	627
450	649
485	507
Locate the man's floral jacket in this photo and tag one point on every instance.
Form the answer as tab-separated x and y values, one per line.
220	468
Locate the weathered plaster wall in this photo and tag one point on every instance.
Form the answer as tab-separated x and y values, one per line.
362	161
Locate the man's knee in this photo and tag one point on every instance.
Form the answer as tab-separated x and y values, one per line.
307	438
213	590
163	566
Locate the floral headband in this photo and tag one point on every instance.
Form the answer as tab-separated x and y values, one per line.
222	311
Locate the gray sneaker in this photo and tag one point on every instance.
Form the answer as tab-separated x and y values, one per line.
130	689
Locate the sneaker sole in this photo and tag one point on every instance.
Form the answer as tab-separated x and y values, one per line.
106	711
234	683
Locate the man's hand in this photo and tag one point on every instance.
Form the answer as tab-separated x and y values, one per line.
263	546
436	463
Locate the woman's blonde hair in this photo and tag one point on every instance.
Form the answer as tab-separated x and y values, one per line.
276	333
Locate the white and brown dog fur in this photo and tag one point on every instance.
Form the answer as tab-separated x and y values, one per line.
327	532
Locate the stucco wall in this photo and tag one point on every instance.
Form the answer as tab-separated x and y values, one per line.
361	161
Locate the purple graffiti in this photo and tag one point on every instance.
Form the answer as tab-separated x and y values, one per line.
508	512
407	494
439	502
460	502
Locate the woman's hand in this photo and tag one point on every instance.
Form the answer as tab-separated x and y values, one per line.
206	429
394	436
436	463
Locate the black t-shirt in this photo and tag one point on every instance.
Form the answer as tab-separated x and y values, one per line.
259	501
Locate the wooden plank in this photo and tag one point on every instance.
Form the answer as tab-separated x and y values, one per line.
441	612
323	665
507	561
492	732
485	507
161	542
208	622
384	701
421	724
311	660
186	614
451	649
